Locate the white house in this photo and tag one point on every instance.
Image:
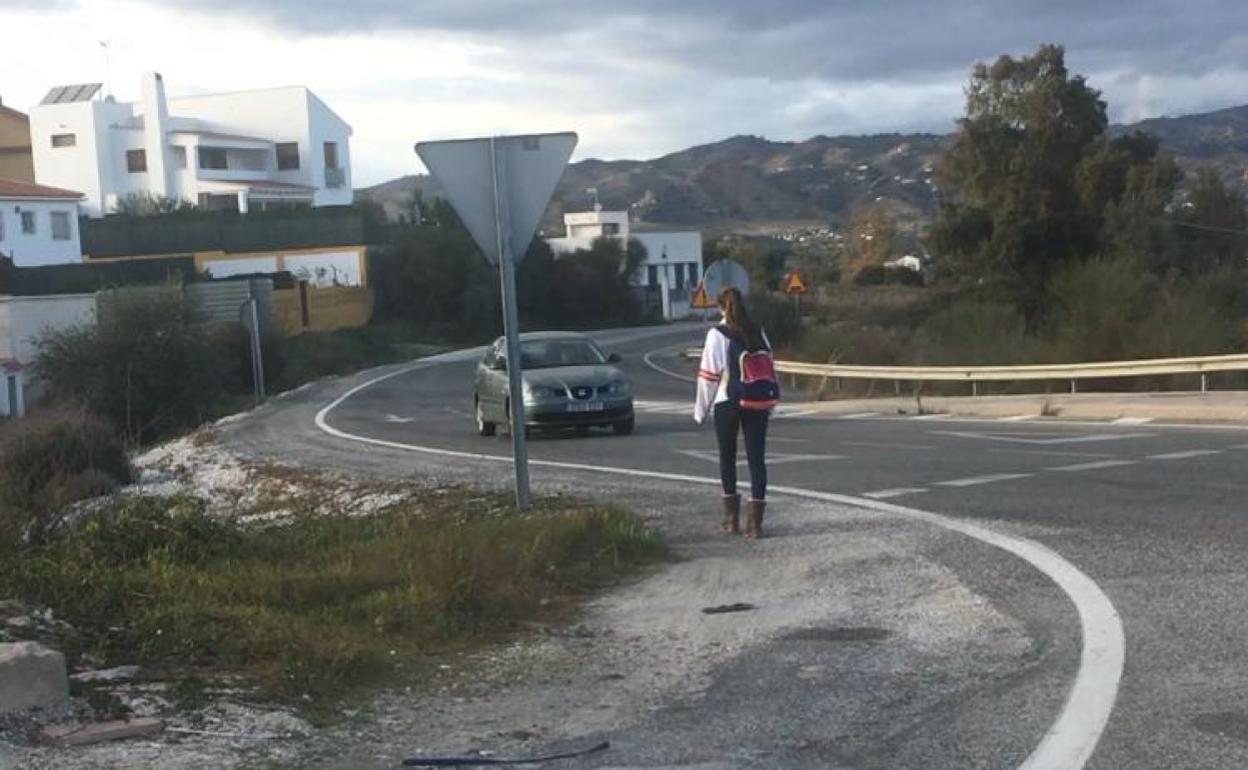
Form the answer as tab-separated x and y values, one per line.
22	321
673	257
268	148
38	224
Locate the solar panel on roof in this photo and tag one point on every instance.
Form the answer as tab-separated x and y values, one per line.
71	93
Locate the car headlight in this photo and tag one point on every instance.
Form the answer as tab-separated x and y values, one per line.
615	388
535	392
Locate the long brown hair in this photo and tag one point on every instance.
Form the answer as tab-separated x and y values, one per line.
737	318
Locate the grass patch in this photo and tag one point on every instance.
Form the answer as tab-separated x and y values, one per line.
321	605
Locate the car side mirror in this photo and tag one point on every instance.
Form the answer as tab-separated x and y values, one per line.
614	358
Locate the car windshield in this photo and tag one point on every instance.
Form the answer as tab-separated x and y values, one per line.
544	354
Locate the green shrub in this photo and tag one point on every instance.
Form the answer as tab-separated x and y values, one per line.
50	460
777	317
146	366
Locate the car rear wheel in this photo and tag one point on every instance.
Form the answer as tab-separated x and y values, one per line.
484	427
623	427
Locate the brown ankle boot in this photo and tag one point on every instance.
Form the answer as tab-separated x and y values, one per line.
731	523
754	518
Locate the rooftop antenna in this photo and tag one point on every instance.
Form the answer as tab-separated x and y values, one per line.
594	192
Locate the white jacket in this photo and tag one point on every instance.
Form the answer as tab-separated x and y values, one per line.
713	373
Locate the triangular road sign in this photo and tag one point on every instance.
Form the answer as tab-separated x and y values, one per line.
793	283
525	170
700	300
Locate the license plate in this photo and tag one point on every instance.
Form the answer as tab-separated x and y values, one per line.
589	406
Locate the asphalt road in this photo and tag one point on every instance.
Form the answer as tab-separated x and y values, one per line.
1155	515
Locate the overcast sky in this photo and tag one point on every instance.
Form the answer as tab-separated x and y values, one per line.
636	78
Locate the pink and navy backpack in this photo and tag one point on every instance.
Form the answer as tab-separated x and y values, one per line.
752	380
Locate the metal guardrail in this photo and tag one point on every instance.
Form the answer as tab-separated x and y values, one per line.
1201	365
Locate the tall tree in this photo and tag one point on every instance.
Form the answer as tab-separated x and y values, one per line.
1012	211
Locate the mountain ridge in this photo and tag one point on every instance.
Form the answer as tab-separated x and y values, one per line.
747	183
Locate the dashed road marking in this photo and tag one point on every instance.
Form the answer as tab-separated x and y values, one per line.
859	415
1018	418
885	494
1185	455
1043	439
883	445
974	481
941	416
1133	421
1094	466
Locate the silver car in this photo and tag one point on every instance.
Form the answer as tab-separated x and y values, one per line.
568	383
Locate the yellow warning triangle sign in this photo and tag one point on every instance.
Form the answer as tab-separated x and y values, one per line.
793	283
700	300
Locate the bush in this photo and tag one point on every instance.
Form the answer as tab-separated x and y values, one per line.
47	462
776	316
146	366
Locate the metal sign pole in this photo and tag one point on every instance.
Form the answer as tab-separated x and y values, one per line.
511	328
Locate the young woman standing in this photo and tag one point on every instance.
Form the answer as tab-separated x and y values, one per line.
719	394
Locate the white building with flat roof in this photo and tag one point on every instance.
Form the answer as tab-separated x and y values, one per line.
245	150
23	320
38	224
673	265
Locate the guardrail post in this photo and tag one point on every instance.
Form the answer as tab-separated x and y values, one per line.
1204	382
1073	387
896	387
974	388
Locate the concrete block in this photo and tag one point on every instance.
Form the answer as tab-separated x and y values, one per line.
31	676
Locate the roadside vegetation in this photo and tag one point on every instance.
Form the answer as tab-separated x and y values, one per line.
1056	241
313	602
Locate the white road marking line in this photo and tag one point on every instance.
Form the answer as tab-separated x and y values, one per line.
1133	421
940	416
1051	452
664	370
1043	439
1018	418
1094	465
884	445
1185	455
974	481
1069	743
858	415
397	419
885	494
773	458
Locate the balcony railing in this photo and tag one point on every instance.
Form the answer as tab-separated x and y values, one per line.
335	177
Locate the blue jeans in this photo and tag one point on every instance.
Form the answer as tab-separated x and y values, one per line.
729	418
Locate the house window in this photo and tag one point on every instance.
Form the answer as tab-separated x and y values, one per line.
1	227
28	223
213	158
287	156
331	155
179	156
610	228
60	226
652	275
680	276
64	140
136	161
